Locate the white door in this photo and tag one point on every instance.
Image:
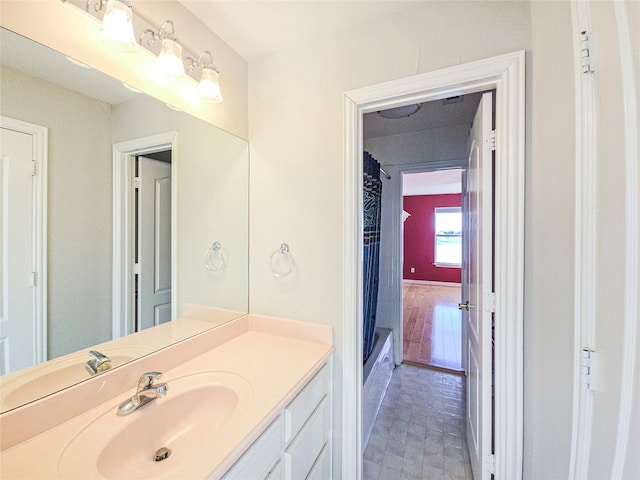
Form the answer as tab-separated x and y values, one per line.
480	297
17	303
154	243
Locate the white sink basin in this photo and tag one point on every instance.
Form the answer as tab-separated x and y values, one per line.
195	407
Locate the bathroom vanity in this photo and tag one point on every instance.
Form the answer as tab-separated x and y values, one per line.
249	399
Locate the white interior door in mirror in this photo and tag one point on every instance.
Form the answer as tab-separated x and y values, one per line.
17	308
154	242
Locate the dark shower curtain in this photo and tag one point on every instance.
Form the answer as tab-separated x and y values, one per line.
372	202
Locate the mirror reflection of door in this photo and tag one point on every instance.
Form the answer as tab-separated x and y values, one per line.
16	304
152	238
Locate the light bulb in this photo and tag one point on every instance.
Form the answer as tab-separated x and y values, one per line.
117	26
169	61
209	88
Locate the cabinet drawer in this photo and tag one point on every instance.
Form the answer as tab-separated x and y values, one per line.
303	452
258	461
321	469
297	412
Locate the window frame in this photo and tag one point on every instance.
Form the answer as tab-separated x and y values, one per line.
437	210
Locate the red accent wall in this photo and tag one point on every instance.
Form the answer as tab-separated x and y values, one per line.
419	231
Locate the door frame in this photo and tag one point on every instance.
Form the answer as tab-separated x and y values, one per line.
505	74
397	239
124	153
40	137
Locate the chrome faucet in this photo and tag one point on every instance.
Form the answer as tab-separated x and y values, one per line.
147	392
98	363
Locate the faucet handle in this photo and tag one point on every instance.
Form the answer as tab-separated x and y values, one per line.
147	379
98	362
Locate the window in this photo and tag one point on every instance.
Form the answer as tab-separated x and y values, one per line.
448	237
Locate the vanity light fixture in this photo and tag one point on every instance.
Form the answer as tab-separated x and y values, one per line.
169	62
117	23
117	30
209	87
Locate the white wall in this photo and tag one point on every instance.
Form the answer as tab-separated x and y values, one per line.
549	241
79	206
296	132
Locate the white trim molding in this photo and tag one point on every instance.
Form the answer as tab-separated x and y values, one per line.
397	236
585	244
505	74
40	139
123	249
431	282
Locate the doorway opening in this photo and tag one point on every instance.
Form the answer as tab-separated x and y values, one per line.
505	74
429	251
151	236
432	269
145	197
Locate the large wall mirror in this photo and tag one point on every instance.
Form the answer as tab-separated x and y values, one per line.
132	195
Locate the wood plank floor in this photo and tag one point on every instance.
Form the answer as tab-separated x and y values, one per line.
432	325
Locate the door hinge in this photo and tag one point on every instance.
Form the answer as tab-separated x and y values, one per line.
490	141
33	279
137	182
490	302
137	269
589	368
490	464
34	168
586	53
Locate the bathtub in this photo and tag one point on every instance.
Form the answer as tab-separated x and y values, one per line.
376	374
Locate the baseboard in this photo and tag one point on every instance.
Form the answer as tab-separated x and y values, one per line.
435	367
431	282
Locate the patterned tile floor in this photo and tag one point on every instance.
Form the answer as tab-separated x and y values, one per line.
420	430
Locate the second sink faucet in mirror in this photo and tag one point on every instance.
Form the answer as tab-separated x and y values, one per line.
98	363
147	392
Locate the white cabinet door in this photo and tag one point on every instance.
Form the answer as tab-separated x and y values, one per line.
297	445
305	449
261	460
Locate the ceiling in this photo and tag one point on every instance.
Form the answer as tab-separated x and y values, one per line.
258	28
432	183
436	114
255	29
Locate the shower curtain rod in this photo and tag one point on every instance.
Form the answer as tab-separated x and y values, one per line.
385	173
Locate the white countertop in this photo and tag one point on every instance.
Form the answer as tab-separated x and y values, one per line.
277	357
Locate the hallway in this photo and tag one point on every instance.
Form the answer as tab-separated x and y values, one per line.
420	430
432	325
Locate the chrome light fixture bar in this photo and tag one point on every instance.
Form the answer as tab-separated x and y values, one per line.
209	87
